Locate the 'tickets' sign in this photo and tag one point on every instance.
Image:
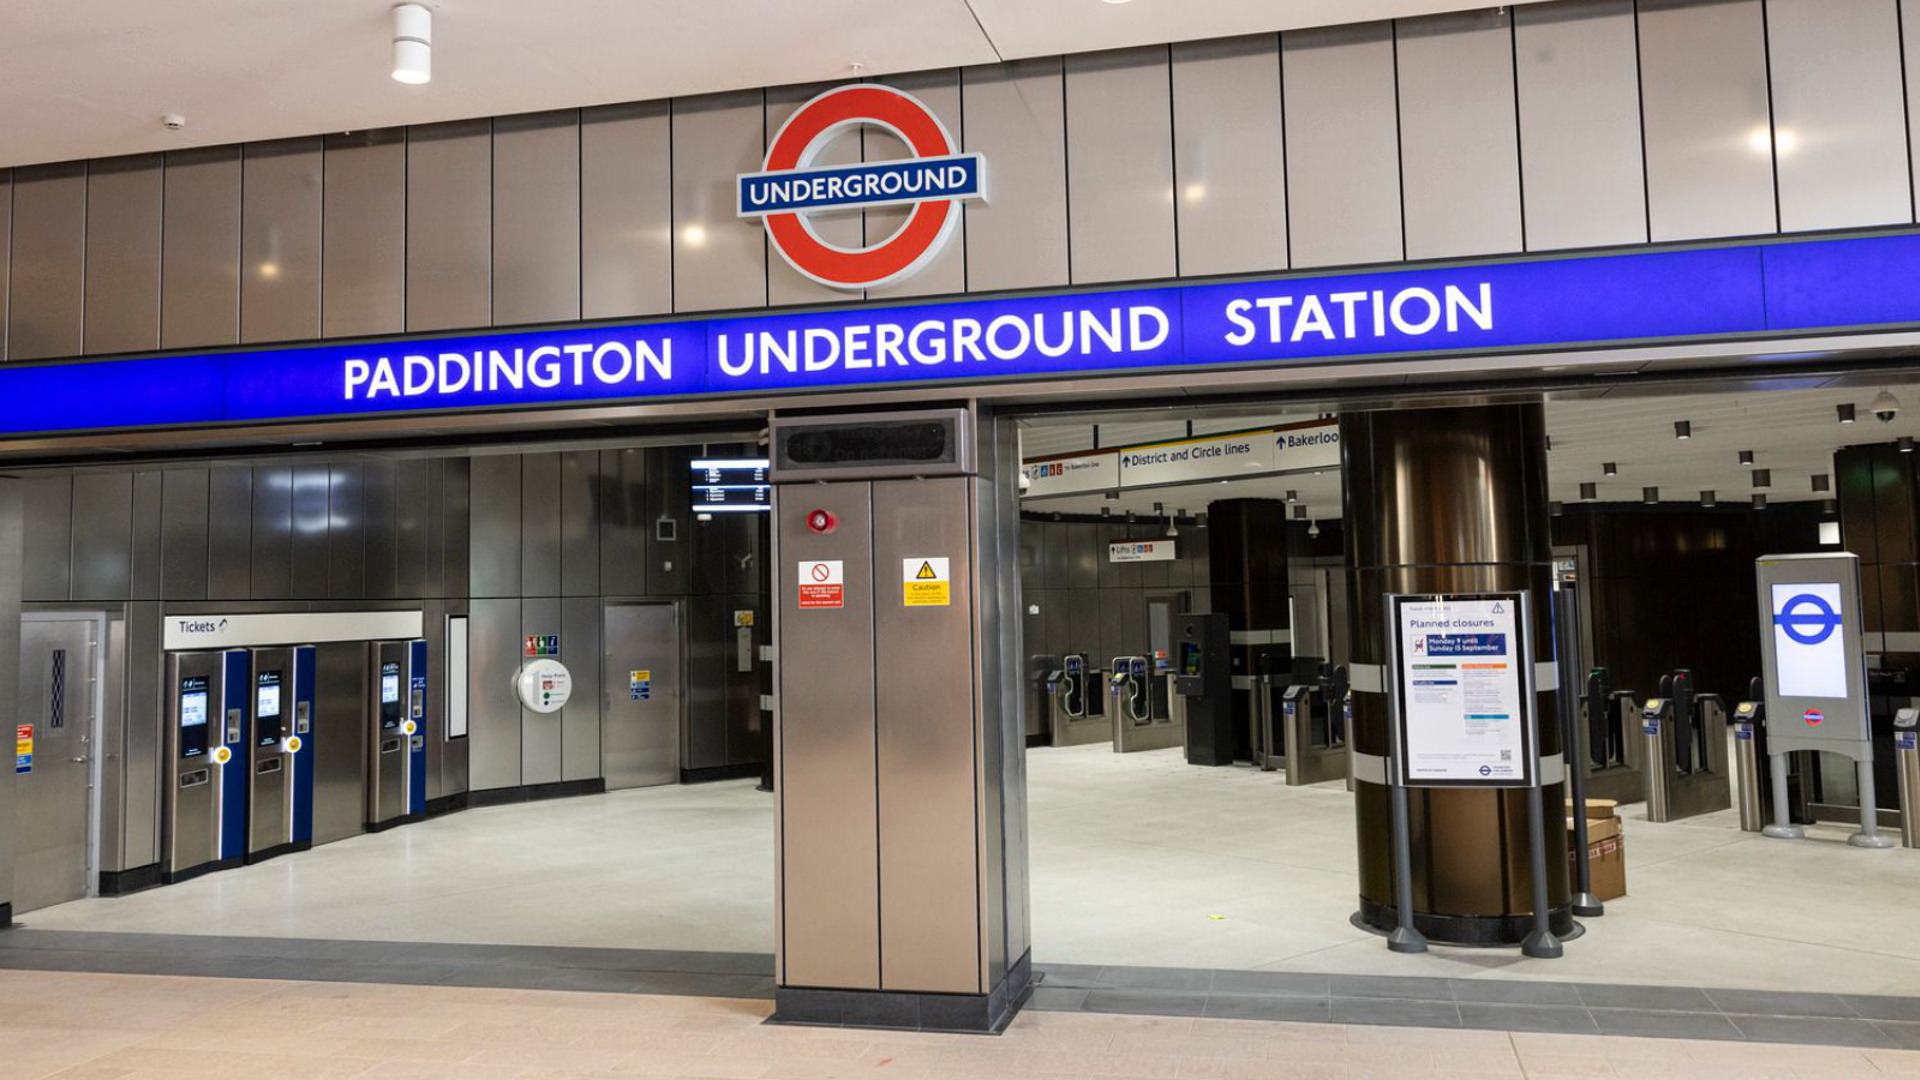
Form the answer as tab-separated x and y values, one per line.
822	584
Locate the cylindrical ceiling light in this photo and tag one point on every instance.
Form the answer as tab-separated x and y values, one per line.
1300	513
1830	507
1762	478
1589	491
1708	499
412	44
1846	412
1292	496
1608	468
1555	509
1746	457
1650	495
1759	502
1906	444
1683	429
1820	482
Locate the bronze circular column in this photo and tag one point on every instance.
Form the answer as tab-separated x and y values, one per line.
1450	501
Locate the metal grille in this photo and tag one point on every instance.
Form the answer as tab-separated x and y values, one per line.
57	692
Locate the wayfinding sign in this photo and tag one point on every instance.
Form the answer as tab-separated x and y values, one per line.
1463	710
1811	652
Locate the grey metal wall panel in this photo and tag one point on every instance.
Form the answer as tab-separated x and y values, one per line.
626	210
377	509
147	489
1910	63
785	285
140	833
580	523
1229	156
669	562
456	557
432	570
536	218
364	235
102	537
1583	181
46	566
540	733
123	254
311	488
1459	147
493	716
946	273
1343	157
580	719
1119	114
449	225
49	256
705	743
495	500
1703	79
1113	624
623	522
1015	114
6	252
229	533
1083	624
272	532
540	525
1839	113
346	532
183	534
413	509
719	260
200	248
280	241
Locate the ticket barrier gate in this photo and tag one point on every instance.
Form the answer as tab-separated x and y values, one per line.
1613	758
1906	768
1743	749
1137	724
396	749
1312	732
1078	717
1686	767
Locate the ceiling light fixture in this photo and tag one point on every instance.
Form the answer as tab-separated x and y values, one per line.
1820	482
1650	495
1608	468
1682	429
1589	491
1759	502
1762	478
1846	412
1300	512
1708	499
1313	530
1556	508
1906	444
1746	457
412	44
1830	506
1292	496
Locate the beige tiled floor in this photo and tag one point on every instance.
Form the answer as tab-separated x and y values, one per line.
124	1027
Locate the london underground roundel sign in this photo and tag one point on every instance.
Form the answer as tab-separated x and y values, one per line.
790	188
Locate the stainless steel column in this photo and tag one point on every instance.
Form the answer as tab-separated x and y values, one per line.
1448	500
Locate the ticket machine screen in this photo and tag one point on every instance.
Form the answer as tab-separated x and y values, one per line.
1189	658
193	716
389	695
266	708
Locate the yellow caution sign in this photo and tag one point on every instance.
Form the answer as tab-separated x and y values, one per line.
925	583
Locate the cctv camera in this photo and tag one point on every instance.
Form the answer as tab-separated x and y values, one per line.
1884	407
1025	481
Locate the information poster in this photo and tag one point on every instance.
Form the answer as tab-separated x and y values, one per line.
1463	685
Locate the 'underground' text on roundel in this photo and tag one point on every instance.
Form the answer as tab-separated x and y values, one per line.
790	188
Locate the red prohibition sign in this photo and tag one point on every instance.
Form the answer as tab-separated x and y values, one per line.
819	571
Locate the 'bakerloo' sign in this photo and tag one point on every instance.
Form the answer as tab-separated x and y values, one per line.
1752	289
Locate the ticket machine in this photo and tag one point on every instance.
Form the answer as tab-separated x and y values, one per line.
280	799
205	806
396	748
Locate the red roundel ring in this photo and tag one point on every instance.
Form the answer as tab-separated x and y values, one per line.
801	139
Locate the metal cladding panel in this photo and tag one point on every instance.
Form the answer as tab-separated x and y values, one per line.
580	523
626	210
364	235
1115	606
280	241
536	218
495	495
272	555
123	254
623	522
1343	155
540	524
229	533
540	732
449	256
49	257
580	719
829	852
378	510
1119	117
1582	176
1015	114
719	260
102	535
346	532
183	534
200	248
6	252
434	538
340	740
144	736
927	731
946	272
413	506
147	486
669	561
708	658
1459	145
1703	81
1910	62
309	541
10	574
1229	156
785	285
456	571
1839	113
46	553
493	714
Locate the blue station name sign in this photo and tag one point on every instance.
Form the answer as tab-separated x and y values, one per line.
1748	290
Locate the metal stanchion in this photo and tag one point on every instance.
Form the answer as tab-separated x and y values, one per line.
1906	765
1265	755
1405	937
1541	944
1566	636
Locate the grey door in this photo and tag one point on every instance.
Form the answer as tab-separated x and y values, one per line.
640	739
339	741
51	815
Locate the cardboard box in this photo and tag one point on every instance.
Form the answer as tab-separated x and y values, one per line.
1597	808
1606	856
